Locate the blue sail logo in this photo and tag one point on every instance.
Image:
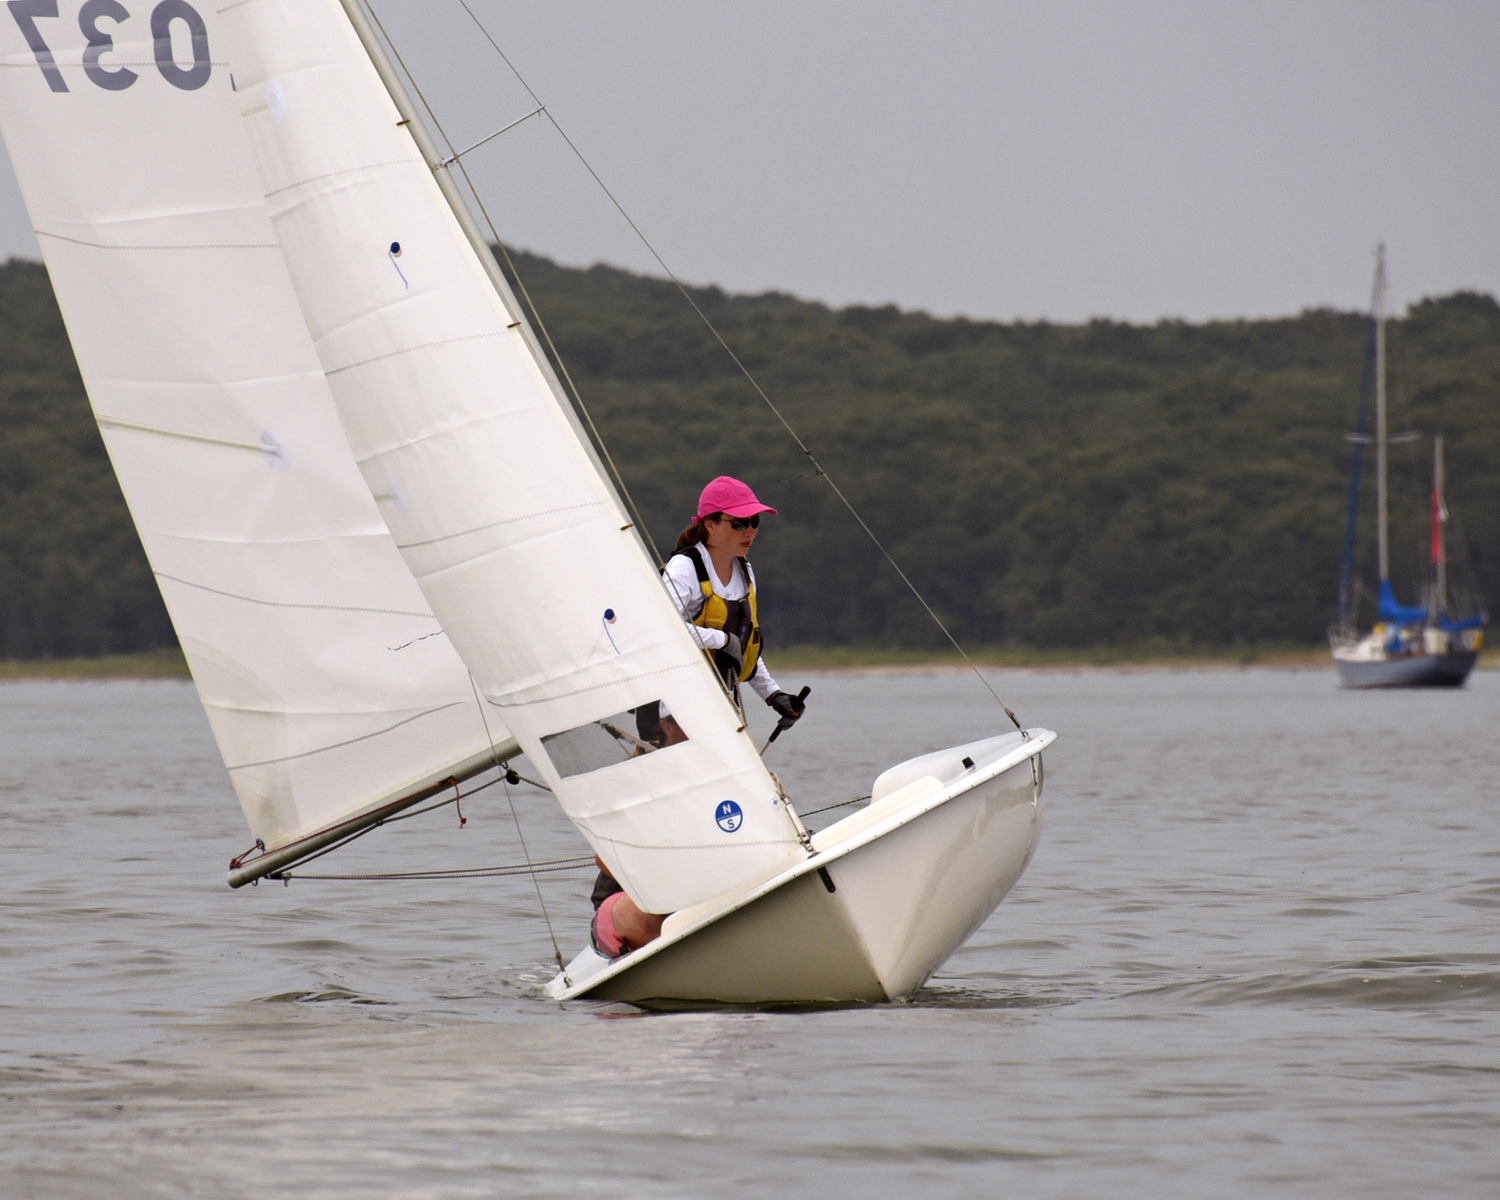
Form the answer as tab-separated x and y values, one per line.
729	816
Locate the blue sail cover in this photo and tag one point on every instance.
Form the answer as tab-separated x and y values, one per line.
1392	613
1451	626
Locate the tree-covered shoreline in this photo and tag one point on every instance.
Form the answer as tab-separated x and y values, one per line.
1047	486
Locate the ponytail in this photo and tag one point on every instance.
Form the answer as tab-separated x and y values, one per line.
697	533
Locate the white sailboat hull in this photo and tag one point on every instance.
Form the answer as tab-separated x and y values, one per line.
912	876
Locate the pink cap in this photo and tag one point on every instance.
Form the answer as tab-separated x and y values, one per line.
730	497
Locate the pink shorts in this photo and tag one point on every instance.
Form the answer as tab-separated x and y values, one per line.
606	940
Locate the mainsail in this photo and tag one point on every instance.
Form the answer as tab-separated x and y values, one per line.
330	686
518	543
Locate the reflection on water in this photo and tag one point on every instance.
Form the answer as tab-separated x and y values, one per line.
1254	955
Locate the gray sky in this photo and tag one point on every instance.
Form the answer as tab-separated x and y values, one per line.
1061	159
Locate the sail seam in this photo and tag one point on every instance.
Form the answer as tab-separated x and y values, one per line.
494	524
393	162
62	237
364	737
593	687
385	612
364	362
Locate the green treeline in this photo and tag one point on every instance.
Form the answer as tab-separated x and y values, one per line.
1049	485
73	579
1045	485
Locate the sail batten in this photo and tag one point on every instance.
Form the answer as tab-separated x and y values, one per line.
459	429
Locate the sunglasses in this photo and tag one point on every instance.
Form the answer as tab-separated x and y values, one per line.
740	524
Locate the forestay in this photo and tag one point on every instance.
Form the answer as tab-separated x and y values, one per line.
328	683
519	545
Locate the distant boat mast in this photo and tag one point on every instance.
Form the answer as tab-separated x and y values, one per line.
1439	520
1380	429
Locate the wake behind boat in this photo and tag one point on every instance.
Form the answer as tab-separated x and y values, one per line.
392	554
1409	645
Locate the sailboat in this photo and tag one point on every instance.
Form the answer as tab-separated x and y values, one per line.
1409	645
392	554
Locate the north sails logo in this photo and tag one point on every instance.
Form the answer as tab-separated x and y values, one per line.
729	816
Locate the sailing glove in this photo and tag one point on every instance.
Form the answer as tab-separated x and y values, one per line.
730	658
787	707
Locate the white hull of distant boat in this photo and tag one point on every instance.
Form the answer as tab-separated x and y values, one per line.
1368	664
886	896
1417	646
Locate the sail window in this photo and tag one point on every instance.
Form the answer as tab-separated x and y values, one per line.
611	740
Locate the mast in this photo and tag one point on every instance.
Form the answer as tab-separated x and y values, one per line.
1439	519
1360	440
1380	429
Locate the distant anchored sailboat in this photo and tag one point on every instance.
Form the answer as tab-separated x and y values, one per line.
391	552
1409	645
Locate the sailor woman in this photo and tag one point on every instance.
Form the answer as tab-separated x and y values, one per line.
713	585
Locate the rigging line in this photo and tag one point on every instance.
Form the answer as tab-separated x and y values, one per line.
516	817
712	328
539	786
448	162
359	833
417	812
410	78
537	884
840	804
547	867
340	844
456	160
1477	599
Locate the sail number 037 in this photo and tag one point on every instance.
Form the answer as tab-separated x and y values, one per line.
101	42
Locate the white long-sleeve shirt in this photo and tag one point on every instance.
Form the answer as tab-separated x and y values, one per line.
682	586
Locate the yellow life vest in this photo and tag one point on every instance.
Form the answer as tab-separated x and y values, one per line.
715	611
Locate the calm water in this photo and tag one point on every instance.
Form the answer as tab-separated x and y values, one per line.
1257	954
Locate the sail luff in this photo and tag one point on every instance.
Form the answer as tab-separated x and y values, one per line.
513	534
